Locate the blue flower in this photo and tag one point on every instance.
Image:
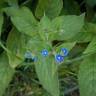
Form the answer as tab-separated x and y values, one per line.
65	51
59	58
44	52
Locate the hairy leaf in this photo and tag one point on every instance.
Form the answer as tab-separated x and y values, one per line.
23	19
51	11
87	72
65	27
91	47
82	37
6	73
45	28
86	34
16	44
47	73
87	76
91	27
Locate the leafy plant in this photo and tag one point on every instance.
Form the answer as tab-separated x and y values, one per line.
39	38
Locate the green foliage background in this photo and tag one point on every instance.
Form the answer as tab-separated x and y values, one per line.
34	25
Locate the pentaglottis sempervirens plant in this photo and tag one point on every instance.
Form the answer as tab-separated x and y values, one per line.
29	40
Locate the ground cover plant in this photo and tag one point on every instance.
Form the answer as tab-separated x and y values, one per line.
47	48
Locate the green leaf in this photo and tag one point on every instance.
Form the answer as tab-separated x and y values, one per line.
23	20
87	76
45	28
91	47
65	27
86	34
82	37
51	11
91	27
67	45
16	43
46	69
6	73
1	23
87	72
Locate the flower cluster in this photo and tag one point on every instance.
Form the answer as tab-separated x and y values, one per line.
59	58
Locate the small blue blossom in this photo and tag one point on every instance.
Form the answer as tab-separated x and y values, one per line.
65	51
28	55
44	52
59	58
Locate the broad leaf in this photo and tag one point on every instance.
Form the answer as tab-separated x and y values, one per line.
82	37
6	73
16	43
46	69
91	47
86	34
1	23
91	27
87	76
87	72
23	19
65	27
51	11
